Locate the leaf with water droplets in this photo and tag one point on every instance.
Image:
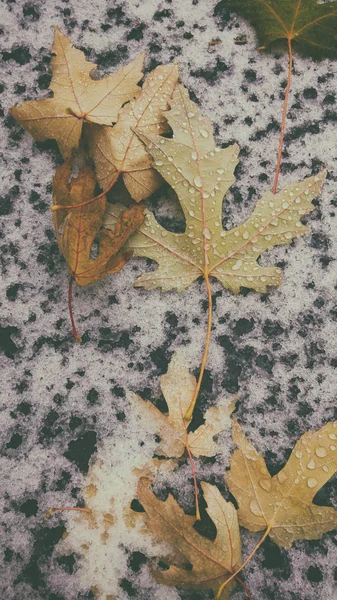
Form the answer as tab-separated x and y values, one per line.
212	561
178	387
311	26
77	97
78	229
284	502
118	150
201	174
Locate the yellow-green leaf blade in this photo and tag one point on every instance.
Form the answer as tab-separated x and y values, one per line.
224	517
118	149
311	26
284	502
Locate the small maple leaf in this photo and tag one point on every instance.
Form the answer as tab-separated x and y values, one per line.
77	97
178	387
201	174
284	502
118	150
312	27
78	229
212	561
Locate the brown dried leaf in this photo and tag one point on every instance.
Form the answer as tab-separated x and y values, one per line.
77	97
79	228
212	561
178	387
284	502
118	150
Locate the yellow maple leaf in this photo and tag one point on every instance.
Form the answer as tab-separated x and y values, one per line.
178	387
77	97
118	150
283	503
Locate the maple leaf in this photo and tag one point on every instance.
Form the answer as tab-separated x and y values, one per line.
312	27
78	229
201	174
178	387
284	502
77	97
118	150
212	561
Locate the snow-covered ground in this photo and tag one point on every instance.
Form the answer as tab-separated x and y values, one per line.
64	404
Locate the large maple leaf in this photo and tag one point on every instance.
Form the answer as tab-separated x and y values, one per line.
77	97
212	561
117	149
201	174
78	229
284	502
311	27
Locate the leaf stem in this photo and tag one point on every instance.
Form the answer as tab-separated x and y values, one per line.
284	115
196	491
242	583
189	413
222	587
70	308
51	510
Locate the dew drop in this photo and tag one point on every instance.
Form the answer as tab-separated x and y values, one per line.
312	482
191	114
191	213
311	464
245	235
332	448
159	163
298	454
204	133
170	158
274	222
191	190
332	436
194	155
265	484
207	233
237	265
254	507
321	452
282	477
220	171
325	468
197	181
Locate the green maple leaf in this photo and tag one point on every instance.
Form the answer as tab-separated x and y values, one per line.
310	26
201	174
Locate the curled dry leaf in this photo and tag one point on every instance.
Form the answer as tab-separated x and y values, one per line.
77	97
118	150
201	174
178	387
284	502
212	561
78	229
309	25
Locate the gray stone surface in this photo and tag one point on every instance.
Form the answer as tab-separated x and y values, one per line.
60	401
